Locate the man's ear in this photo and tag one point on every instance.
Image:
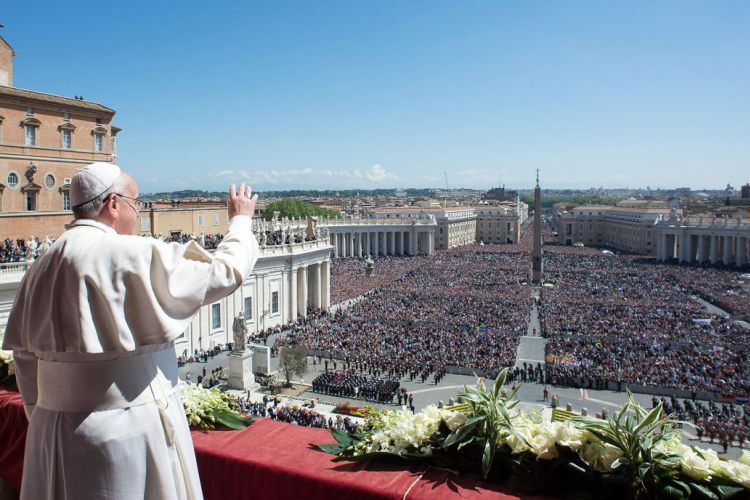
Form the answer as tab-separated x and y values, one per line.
111	206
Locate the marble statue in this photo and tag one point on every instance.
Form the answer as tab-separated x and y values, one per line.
240	333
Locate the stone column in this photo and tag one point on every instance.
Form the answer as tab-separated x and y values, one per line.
741	256
293	312
365	243
393	243
702	253
359	245
377	243
302	291
335	242
413	243
317	293
662	250
727	244
686	248
326	284
714	249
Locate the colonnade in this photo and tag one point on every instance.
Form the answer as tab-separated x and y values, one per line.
365	243
309	287
687	246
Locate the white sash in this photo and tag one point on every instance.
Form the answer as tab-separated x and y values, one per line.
106	385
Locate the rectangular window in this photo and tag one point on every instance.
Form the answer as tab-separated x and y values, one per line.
200	221
215	316
30	135
67	139
29	111
98	143
66	200
31	201
216	219
144	223
248	308
66	116
274	302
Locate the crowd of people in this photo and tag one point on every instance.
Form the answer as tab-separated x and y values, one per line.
274	409
629	320
464	308
348	384
349	280
21	250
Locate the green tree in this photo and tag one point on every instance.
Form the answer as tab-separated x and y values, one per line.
293	207
293	362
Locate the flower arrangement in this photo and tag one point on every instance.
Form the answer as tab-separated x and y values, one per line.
207	407
637	454
354	411
7	369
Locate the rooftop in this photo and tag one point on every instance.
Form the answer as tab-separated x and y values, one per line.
54	99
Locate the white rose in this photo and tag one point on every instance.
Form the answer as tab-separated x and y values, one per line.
566	434
454	419
600	456
745	458
543	446
517	445
609	455
738	472
694	466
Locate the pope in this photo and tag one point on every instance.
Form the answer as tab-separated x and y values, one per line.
92	331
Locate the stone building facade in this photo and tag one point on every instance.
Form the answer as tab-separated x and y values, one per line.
622	228
456	226
501	223
44	139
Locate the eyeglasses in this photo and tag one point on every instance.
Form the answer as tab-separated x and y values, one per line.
138	203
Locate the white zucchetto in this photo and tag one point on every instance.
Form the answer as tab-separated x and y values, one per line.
91	181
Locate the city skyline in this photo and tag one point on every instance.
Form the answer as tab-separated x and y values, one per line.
339	96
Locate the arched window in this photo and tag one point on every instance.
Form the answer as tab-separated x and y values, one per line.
49	181
12	180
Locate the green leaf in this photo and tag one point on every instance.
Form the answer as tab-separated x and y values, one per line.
468	441
461	432
332	449
489	453
340	436
233	420
675	490
705	491
620	461
649	419
499	381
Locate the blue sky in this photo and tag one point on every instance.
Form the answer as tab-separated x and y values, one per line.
354	94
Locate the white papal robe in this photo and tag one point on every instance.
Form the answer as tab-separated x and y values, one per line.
92	330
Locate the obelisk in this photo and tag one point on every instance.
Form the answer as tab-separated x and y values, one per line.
537	264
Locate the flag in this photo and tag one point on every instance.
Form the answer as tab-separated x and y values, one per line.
727	398
741	399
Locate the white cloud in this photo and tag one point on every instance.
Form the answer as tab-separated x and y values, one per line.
379	174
